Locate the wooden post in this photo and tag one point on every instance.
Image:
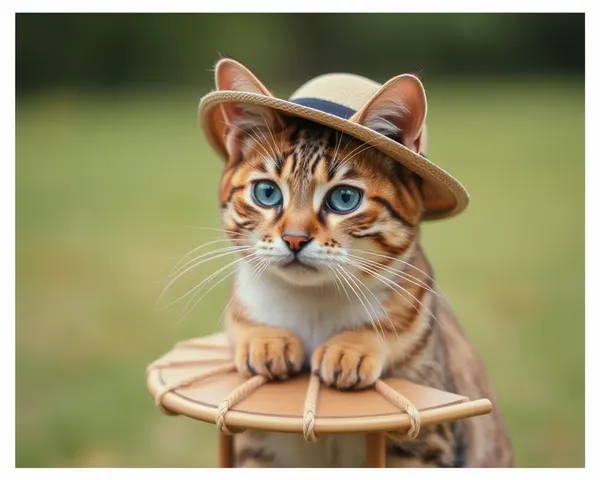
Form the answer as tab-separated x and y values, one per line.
225	451
376	450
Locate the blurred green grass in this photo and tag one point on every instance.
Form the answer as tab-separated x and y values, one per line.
107	187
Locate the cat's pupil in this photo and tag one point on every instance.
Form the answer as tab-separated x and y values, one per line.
346	196
269	191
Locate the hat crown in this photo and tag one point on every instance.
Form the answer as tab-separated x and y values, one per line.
351	91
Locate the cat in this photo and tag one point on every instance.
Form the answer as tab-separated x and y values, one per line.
333	277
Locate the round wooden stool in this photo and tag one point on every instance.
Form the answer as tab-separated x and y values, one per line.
198	379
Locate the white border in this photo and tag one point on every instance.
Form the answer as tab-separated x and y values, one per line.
592	241
592	181
7	236
321	6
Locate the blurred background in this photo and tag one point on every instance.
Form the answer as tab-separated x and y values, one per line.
113	178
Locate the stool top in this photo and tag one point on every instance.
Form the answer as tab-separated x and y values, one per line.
175	381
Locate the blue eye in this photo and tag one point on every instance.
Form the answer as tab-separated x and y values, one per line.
344	199
267	194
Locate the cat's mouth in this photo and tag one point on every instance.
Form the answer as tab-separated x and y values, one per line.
297	264
305	272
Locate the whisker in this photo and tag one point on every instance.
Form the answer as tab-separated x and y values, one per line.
254	260
206	293
337	147
265	266
249	145
266	142
343	270
218	250
343	160
221	252
206	244
364	147
233	297
218	230
271	133
335	280
356	279
394	286
259	263
408	264
194	266
258	143
342	285
405	276
380	304
198	287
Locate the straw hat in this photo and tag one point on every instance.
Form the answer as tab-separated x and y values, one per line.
350	104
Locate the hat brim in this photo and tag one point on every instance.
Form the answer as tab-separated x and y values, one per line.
444	196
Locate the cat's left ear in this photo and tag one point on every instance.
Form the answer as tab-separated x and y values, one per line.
398	110
239	120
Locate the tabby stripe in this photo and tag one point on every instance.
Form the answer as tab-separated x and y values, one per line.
460	446
433	447
394	213
332	168
413	188
395	251
250	453
406	197
417	348
400	321
242	225
245	210
279	163
278	215
420	296
426	455
231	192
296	129
294	163
321	217
313	165
351	174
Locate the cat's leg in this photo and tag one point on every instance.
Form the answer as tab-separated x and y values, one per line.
434	447
350	360
251	450
275	353
287	450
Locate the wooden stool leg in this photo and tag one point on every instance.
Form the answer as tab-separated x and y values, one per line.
376	450
225	451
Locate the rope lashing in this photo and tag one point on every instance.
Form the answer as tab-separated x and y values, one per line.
183	363
402	403
186	382
234	397
255	382
310	409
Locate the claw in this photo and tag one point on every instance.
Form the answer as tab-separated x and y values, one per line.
249	367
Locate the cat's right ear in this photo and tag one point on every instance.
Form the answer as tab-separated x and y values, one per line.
242	122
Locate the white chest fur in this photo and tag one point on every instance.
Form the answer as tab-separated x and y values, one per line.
314	314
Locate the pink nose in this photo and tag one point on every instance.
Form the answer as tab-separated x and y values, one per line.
295	242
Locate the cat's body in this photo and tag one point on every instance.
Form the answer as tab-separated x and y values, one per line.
441	358
333	278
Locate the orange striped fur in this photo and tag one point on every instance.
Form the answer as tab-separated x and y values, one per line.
349	295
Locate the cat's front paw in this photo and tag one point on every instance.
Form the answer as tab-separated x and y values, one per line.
347	366
274	353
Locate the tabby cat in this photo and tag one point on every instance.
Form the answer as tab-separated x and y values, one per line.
334	278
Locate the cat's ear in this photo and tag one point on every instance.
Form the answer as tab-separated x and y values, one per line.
240	120
398	110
